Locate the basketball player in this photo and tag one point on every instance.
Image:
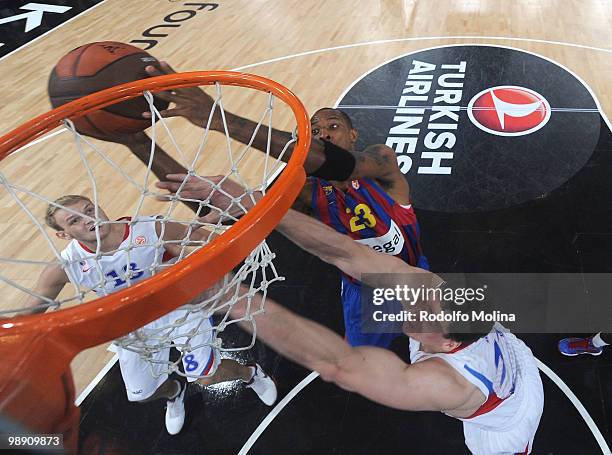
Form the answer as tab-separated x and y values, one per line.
593	345
129	253
361	194
487	379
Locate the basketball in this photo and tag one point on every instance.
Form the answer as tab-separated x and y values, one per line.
97	66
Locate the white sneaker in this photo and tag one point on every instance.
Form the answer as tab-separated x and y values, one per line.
263	385
175	412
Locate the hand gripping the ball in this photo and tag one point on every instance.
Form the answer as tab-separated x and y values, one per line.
191	103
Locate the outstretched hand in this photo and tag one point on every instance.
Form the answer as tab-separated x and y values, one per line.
227	195
191	103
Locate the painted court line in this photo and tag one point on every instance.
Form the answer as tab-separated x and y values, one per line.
52	30
274	412
459	108
96	380
577	404
605	450
554	62
369	43
423	38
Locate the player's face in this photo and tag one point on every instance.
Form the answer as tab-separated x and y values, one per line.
330	125
80	225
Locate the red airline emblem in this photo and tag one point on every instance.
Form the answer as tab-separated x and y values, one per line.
509	110
140	240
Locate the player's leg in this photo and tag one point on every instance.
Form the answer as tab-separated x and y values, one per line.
145	381
206	361
252	375
138	376
593	345
228	370
169	390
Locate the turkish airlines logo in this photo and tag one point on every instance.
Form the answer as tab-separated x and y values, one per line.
509	110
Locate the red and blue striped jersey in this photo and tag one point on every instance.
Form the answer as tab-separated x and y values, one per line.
366	213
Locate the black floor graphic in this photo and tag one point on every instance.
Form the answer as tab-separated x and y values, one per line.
24	21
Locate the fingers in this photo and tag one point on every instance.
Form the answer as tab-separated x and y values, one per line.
170	186
175	177
166	67
165	114
184	197
153	71
167	96
190	190
192	187
163	68
211	218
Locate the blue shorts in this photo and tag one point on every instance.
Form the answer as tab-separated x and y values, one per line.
351	305
353	317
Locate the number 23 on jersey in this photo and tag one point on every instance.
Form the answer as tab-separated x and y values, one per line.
363	218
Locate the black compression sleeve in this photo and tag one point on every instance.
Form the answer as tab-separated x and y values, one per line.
338	165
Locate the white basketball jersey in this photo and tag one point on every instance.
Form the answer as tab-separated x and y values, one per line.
498	364
136	259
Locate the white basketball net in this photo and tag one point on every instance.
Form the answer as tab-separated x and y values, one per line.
188	327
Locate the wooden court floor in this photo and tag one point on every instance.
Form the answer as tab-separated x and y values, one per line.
316	48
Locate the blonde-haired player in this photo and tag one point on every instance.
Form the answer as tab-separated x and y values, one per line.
131	250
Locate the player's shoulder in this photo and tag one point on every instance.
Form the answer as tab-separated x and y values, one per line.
145	221
73	249
438	371
384	153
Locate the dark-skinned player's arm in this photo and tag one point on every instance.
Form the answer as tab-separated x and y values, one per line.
140	146
324	159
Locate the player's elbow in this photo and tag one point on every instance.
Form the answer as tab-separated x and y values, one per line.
389	158
357	259
328	371
385	152
349	266
342	378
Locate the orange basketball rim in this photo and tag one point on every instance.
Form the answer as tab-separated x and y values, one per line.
36	387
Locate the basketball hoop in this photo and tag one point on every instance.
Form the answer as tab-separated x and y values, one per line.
35	380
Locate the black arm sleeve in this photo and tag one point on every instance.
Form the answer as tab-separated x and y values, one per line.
338	165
